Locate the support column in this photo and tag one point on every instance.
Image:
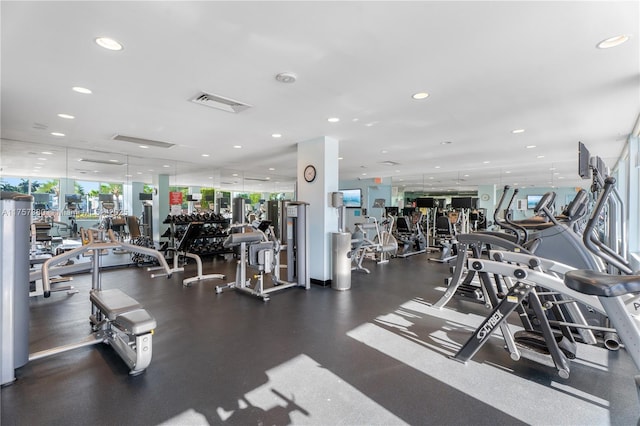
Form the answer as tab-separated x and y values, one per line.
489	204
321	153
160	205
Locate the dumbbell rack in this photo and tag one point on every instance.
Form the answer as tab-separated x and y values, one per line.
208	243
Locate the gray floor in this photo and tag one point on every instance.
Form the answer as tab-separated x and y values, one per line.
376	354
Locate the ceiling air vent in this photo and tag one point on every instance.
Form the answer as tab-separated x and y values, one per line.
389	163
257	179
141	141
219	102
110	162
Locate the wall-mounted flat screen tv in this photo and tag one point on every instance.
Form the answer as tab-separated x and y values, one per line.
584	171
143	196
352	198
72	198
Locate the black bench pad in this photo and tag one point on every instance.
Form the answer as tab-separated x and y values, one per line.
601	284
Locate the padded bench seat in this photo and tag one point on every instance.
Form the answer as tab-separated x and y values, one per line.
136	322
113	302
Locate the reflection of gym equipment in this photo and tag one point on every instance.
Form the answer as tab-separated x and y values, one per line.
446	237
365	246
409	233
192	232
260	250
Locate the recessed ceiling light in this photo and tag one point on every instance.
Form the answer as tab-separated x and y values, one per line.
420	95
516	131
552	168
355	120
57	134
166	165
446	143
82	90
530	146
205	155
46	153
465	176
508	171
540	156
384	151
613	41
267	178
113	161
430	177
138	173
276	135
237	146
235	174
271	169
37	167
210	177
486	162
42	159
340	158
128	175
143	146
108	43
437	167
364	174
67	116
560	177
333	119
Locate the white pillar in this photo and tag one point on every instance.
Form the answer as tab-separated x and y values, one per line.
321	153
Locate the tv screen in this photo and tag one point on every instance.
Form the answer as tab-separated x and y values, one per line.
583	161
352	198
463	203
532	201
143	196
426	203
105	197
72	198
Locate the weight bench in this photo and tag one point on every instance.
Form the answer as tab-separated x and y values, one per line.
122	323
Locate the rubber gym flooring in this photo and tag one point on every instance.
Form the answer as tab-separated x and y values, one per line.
376	354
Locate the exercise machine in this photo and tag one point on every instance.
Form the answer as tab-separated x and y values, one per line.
116	319
367	246
408	230
193	231
259	249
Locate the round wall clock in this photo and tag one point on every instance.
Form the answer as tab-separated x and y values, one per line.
310	173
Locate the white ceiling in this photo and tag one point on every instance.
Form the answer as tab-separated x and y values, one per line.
489	67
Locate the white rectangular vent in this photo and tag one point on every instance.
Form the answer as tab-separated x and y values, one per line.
389	163
141	141
257	179
219	102
110	162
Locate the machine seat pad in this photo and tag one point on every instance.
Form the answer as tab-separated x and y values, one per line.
242	237
601	284
113	302
366	225
136	322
